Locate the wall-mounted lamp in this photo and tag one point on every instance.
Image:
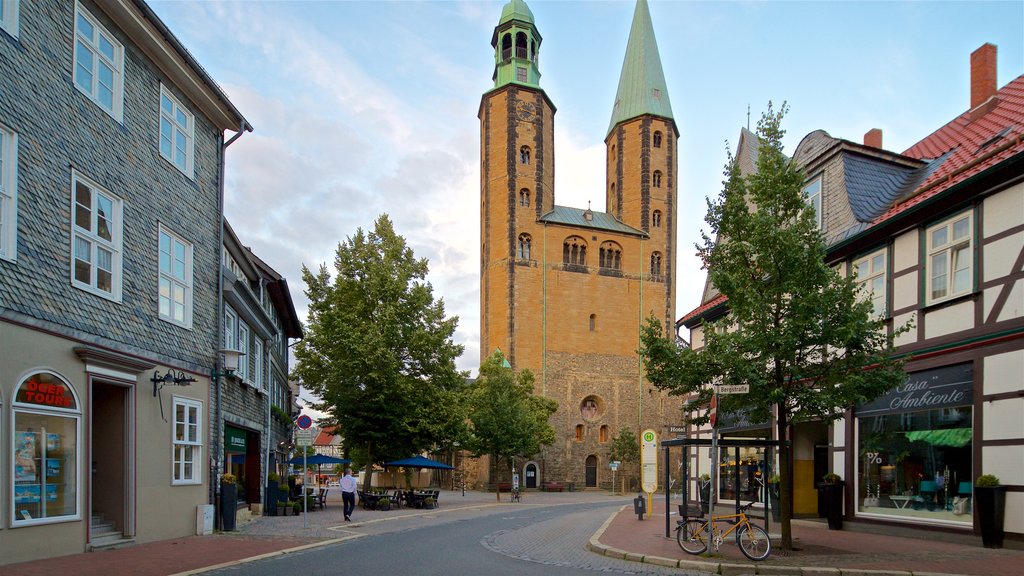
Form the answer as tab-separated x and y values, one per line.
228	366
171	378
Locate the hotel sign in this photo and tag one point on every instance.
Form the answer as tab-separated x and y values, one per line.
928	390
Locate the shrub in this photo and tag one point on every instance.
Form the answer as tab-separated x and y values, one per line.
228	479
832	478
273	477
987	480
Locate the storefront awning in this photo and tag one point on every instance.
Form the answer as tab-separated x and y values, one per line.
953	437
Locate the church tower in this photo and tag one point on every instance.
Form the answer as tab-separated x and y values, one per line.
565	291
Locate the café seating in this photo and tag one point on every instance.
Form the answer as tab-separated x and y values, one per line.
320	500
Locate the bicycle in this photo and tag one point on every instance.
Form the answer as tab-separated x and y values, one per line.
692	534
516	496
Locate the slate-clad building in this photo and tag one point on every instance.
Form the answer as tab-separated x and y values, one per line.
935	234
112	142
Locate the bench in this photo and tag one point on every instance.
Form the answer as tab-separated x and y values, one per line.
503	486
554	487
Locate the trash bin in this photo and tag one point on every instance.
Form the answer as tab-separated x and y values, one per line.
640	506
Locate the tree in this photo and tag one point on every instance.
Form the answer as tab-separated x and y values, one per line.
378	350
798	333
625	448
506	418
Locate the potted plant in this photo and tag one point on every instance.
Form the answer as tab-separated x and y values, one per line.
990	503
273	481
296	508
704	487
228	501
773	496
833	489
428	502
384	504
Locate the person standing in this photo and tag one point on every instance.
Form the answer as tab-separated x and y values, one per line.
348	493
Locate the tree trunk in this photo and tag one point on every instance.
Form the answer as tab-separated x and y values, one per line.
368	480
786	475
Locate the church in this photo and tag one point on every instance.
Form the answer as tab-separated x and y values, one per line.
564	291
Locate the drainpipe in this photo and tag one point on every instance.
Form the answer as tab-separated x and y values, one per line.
218	427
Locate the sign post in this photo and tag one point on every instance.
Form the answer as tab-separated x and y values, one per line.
304	438
649	464
614	465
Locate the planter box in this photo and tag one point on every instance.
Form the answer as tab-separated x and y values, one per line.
832	499
990	506
228	506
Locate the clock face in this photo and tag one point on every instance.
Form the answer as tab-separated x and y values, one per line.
526	111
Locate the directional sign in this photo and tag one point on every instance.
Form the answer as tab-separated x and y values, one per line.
734	389
614	464
304	421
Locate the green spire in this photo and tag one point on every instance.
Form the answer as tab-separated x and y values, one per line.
516	43
642	88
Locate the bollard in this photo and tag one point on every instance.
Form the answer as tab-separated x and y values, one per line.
640	506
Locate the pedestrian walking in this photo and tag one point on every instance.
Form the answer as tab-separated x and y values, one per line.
348	493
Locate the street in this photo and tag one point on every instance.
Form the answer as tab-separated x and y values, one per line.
501	540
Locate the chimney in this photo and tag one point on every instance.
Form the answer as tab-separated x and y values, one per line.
873	138
983	74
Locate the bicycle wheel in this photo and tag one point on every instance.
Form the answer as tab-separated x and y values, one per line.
754	542
692	536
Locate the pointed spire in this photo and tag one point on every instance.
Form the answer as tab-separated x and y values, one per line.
642	88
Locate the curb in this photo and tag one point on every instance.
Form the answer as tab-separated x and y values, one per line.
728	569
292	550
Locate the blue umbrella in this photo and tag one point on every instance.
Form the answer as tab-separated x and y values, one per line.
418	462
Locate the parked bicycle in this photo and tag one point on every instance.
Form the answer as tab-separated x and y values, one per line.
516	495
692	534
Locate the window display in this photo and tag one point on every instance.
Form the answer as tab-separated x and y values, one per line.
45	441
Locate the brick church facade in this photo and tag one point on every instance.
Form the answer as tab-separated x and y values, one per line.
564	290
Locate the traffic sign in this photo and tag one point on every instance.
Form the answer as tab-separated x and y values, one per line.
734	389
614	465
714	409
304	421
304	437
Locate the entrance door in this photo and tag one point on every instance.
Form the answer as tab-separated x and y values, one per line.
109	453
531	475
591	471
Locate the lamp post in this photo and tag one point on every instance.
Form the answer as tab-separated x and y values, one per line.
229	363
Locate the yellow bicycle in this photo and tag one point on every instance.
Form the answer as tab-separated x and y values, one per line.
692	534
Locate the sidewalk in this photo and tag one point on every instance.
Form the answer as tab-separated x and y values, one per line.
853	550
879	551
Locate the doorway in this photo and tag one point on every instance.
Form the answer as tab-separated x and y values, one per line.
110	451
530	475
591	468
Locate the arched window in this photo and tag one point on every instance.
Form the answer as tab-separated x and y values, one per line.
574	251
656	179
579	432
657	139
523	252
524	155
47	423
656	264
524	197
521	45
613	150
506	47
656	219
593	322
612	200
611	256
604	434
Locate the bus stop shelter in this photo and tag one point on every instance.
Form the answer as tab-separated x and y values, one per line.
733	444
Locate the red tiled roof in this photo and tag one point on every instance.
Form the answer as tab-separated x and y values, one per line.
966	137
325	436
704	308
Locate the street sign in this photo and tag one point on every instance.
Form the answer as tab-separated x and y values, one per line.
614	464
734	389
714	409
304	437
649	461
304	421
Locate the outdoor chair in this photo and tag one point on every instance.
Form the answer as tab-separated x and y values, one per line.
396	499
321	499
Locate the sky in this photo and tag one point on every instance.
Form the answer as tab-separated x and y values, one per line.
364	108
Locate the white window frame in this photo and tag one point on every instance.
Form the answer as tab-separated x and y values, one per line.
114	61
243	348
183	160
172	281
8	194
258	378
873	270
230	329
179	446
814	200
97	243
955	252
9	17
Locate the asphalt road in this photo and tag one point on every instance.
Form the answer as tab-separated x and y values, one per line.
507	541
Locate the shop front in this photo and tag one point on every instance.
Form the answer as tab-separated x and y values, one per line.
743	470
915	449
242	458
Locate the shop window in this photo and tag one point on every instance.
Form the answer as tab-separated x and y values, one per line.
47	421
524	247
950	258
812	196
870	271
188	441
579	432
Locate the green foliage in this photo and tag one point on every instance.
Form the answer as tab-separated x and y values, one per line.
378	350
273	477
280	415
228	479
625	447
506	418
799	334
831	478
987	480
